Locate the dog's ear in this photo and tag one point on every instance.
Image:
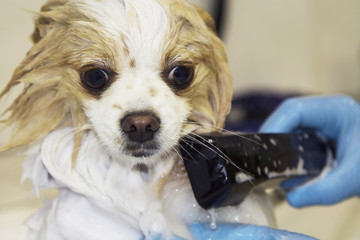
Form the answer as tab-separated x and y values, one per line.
223	82
43	103
44	24
221	93
209	21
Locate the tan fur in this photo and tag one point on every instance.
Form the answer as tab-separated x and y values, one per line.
194	30
51	84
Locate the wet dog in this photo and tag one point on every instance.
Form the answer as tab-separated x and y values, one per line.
109	89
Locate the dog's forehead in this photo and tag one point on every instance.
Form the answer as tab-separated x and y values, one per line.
141	25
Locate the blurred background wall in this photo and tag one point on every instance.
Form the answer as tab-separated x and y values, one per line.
311	46
297	46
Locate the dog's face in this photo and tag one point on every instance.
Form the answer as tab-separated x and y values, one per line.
140	73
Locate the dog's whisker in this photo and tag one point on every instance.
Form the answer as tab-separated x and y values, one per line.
241	136
203	144
215	149
179	145
219	152
224	130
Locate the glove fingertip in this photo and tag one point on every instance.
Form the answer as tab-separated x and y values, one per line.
304	196
308	195
296	200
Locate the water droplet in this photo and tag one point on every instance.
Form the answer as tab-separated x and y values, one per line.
241	177
301	149
257	137
176	190
213	226
273	141
212	219
265	146
194	205
258	170
266	170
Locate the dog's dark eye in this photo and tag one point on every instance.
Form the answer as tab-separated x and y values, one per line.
95	79
181	76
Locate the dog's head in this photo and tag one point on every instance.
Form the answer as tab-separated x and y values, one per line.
140	73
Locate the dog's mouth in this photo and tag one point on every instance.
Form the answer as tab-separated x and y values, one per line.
140	130
145	149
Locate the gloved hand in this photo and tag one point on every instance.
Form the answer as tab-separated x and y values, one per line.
334	117
239	232
243	232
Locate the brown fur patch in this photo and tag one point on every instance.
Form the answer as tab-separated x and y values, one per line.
153	92
117	106
132	63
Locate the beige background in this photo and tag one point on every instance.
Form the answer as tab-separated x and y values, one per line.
307	46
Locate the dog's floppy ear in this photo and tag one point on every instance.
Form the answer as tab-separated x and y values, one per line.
43	103
221	93
223	82
209	21
44	24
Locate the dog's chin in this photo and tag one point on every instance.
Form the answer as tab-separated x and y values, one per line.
141	150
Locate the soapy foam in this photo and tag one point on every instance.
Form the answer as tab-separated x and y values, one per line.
330	165
299	169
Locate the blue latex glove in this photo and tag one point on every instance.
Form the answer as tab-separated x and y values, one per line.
239	232
334	117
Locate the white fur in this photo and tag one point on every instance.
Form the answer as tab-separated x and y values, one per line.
130	93
144	29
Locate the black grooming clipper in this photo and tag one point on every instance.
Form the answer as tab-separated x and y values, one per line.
224	167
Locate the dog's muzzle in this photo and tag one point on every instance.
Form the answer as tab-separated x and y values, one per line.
140	129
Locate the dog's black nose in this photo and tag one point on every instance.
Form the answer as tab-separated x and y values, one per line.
141	126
